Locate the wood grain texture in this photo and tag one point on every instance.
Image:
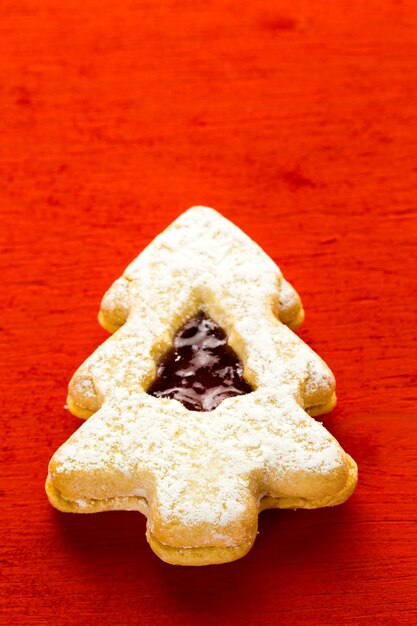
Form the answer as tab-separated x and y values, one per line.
298	121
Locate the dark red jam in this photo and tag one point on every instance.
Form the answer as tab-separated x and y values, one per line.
200	370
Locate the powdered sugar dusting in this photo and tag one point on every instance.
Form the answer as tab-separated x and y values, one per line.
194	467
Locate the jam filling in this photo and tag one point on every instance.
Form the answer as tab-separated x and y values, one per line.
200	370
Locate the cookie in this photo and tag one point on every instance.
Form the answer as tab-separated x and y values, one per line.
201	402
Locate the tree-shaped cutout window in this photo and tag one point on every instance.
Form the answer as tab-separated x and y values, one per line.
200	370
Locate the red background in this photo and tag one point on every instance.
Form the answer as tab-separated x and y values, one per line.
298	121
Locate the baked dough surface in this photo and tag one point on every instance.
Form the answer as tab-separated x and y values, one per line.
201	477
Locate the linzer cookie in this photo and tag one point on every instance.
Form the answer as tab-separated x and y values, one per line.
201	403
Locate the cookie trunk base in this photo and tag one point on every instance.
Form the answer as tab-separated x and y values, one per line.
198	556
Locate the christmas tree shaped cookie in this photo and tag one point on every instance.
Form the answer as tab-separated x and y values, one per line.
201	403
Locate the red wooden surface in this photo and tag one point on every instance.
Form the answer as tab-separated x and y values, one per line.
297	120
